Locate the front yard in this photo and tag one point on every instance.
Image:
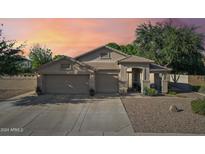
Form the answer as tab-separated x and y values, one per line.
152	115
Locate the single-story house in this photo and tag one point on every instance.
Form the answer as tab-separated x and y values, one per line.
105	70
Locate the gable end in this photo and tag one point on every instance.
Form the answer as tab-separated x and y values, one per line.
103	53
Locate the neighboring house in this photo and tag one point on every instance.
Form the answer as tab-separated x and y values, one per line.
106	70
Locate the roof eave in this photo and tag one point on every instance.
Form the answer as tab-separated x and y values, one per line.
65	58
148	62
108	69
160	70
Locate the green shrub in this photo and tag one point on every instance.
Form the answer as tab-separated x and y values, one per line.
198	106
38	91
150	91
195	88
172	92
202	89
92	92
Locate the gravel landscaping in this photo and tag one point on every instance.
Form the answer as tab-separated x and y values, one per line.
152	115
9	93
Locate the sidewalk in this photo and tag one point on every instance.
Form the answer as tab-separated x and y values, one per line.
200	93
20	96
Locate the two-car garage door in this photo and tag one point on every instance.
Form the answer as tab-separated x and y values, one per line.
79	84
67	84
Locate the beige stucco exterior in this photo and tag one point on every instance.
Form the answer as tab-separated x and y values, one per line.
53	79
55	68
115	74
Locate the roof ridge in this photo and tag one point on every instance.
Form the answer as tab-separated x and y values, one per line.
147	60
85	53
116	50
105	46
51	62
124	58
100	62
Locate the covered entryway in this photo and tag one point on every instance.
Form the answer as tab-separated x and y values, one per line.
106	83
160	78
67	84
134	79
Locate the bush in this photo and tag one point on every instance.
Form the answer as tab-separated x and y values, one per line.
92	92
150	91
38	91
200	89
172	92
198	106
195	88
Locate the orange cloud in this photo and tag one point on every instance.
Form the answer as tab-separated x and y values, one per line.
72	36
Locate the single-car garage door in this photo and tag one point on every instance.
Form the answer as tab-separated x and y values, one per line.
67	84
106	83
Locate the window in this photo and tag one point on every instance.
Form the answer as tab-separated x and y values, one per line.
105	55
65	66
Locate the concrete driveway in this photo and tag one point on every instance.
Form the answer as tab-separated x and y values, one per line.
63	115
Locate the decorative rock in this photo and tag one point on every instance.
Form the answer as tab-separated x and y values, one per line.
173	108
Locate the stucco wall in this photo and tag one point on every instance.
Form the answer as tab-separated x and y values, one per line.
123	84
151	77
182	78
190	79
197	79
18	82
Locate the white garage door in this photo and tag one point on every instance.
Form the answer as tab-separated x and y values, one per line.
107	83
67	84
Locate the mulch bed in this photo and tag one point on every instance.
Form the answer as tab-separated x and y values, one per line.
152	115
9	93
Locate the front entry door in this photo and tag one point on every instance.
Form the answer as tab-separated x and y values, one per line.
136	82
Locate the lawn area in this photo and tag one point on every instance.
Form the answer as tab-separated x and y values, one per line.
9	93
152	115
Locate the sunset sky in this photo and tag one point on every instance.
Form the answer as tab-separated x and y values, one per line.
72	37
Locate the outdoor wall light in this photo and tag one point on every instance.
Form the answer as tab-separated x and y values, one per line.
129	70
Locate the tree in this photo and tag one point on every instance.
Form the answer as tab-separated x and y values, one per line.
114	45
39	55
11	55
178	47
57	57
130	49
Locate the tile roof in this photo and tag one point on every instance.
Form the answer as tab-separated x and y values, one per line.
131	59
103	65
158	68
